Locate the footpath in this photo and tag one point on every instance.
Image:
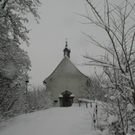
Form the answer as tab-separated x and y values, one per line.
54	121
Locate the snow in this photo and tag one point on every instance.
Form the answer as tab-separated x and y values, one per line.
72	95
112	119
105	132
85	100
60	95
104	86
9	70
131	129
128	88
106	95
54	121
130	108
112	97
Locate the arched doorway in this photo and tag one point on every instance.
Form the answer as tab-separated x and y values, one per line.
66	100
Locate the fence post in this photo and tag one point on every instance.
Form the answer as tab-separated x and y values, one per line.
94	120
79	103
91	104
86	105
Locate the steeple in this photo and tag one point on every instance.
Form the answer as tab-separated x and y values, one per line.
66	51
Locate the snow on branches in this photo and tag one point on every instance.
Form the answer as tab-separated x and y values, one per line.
118	63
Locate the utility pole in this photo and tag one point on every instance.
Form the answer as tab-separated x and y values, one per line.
26	81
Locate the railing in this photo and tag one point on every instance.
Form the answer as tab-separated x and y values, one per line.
94	106
86	101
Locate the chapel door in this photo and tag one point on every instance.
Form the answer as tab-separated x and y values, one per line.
66	100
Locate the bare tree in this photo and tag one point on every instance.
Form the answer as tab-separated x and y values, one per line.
120	28
118	62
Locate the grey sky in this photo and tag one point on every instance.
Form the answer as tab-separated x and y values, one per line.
47	39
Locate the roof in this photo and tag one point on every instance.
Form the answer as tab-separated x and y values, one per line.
65	58
67	48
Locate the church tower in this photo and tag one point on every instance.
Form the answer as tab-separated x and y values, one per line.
66	51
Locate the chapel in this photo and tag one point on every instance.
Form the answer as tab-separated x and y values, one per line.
66	82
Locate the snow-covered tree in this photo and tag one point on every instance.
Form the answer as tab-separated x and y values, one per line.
14	61
38	99
93	89
118	63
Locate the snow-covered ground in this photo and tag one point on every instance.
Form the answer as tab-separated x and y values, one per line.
54	121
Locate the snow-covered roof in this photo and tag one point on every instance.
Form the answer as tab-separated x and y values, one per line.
66	47
60	95
65	58
72	95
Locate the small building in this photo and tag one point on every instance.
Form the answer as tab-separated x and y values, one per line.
66	82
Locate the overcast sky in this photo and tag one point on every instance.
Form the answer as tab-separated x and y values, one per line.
47	39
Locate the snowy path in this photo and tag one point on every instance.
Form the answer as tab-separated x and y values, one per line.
54	121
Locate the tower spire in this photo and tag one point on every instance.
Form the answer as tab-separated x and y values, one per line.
66	42
66	50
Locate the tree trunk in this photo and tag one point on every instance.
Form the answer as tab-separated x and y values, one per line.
134	97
